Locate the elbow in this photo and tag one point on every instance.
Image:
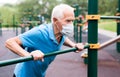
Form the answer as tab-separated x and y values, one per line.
8	42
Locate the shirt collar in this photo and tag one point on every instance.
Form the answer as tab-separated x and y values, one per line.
51	33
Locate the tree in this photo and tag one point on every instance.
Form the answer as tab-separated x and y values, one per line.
36	7
108	6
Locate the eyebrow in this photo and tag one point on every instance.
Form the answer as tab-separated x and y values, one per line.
69	20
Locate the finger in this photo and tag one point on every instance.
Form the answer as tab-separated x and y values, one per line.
42	60
41	55
77	51
80	46
38	55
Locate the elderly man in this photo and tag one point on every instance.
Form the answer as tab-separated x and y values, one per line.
43	39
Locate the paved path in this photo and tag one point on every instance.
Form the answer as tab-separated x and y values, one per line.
70	64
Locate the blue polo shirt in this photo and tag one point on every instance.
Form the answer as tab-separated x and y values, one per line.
39	38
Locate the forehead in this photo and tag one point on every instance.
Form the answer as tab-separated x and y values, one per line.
68	15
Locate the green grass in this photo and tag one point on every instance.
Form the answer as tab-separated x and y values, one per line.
108	25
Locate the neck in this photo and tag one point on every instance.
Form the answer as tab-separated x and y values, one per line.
57	33
56	30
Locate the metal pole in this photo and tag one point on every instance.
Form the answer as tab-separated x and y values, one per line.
109	17
13	22
111	41
118	28
0	25
80	29
23	59
76	22
92	38
0	29
16	28
30	19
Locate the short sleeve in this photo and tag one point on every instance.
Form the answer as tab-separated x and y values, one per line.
30	38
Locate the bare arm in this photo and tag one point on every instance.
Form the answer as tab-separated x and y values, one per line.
14	44
69	43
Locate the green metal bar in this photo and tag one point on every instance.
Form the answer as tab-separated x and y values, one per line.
14	61
16	28
118	29
23	59
76	22
110	17
80	32
0	25
80	35
80	27
30	19
92	38
13	22
0	29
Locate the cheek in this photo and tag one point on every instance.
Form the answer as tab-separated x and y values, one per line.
64	23
59	24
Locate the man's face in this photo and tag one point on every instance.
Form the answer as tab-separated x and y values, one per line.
68	18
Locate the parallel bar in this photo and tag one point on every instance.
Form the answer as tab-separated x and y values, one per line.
29	58
109	17
111	41
16	60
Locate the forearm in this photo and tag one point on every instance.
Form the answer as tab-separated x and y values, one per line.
14	44
69	43
16	48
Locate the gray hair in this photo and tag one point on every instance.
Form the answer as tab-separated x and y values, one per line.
58	10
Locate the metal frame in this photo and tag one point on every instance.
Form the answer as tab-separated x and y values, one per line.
92	38
29	58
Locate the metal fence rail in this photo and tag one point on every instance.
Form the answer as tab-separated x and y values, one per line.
23	59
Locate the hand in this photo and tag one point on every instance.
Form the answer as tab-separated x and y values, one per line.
37	55
79	46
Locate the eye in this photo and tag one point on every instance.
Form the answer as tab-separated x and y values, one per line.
69	21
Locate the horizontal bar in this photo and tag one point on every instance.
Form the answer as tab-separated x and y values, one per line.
28	58
111	41
109	17
103	45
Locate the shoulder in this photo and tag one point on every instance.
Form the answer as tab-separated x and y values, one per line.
41	30
45	26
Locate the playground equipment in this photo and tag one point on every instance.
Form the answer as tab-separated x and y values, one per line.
93	18
118	27
0	25
103	45
111	41
78	24
78	32
23	59
93	46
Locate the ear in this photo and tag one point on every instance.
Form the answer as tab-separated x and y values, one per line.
55	19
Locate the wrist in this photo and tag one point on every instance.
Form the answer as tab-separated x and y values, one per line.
25	53
74	45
